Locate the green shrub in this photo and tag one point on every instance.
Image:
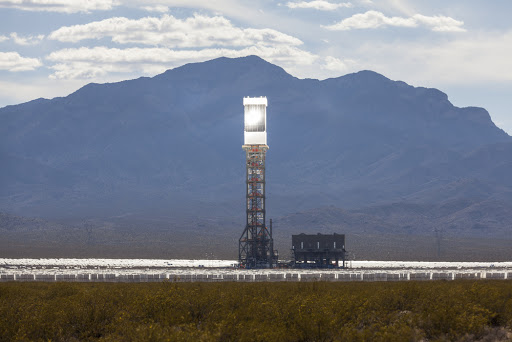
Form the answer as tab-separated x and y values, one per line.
316	311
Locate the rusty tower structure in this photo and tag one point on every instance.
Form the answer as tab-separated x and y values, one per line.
256	246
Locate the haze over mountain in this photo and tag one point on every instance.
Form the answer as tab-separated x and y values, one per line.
170	146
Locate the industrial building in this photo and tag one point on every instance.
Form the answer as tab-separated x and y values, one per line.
256	246
318	250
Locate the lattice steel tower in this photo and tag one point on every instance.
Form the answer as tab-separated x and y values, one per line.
256	246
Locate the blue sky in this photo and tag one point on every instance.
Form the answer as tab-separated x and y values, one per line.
51	48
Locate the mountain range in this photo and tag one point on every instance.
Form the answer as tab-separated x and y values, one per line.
401	158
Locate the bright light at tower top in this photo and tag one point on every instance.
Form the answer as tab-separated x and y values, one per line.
255	120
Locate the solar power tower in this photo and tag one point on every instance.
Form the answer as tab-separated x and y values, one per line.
256	247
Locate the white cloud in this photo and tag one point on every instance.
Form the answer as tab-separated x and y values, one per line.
196	31
12	61
98	62
65	6
374	19
3	38
28	40
172	42
335	64
440	23
156	8
321	5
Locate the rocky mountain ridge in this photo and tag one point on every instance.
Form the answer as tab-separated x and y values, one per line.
170	146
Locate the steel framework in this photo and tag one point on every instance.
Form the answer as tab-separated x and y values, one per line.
256	246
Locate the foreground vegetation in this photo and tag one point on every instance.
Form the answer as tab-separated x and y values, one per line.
316	311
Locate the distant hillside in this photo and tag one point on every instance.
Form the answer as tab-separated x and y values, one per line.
391	232
452	219
170	146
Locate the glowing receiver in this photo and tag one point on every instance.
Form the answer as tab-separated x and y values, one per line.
255	120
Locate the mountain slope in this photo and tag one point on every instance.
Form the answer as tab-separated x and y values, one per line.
172	143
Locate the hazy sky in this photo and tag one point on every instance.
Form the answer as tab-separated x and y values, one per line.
51	48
